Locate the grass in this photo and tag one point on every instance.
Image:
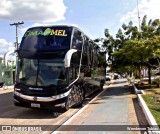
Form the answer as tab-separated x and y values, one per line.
152	98
153	103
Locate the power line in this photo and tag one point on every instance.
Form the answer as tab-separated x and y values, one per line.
17	25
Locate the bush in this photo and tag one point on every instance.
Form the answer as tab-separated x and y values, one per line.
156	81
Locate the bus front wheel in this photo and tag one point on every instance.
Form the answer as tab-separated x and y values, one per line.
81	96
67	103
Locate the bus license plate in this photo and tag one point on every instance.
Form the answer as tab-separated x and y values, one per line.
35	105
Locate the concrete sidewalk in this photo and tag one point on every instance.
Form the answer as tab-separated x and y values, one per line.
111	107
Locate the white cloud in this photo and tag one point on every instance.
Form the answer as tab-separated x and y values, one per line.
5	46
32	10
146	7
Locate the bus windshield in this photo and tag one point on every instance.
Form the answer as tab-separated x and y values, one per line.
43	72
41	39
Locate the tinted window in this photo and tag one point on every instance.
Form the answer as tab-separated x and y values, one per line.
46	39
85	58
41	72
73	73
95	57
77	41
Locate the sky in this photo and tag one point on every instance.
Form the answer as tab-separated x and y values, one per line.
91	16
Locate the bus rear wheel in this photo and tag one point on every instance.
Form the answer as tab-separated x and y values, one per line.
101	85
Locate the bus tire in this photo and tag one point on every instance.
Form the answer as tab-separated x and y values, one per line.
66	105
101	86
82	96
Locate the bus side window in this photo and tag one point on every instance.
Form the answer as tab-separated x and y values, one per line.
95	58
88	54
77	40
73	72
84	56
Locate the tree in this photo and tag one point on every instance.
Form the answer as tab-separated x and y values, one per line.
133	49
140	48
107	47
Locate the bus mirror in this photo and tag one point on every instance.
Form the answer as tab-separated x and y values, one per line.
67	59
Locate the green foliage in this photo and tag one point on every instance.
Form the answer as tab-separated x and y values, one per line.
133	49
156	81
138	48
152	102
102	60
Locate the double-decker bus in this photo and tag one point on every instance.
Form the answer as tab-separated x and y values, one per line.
57	67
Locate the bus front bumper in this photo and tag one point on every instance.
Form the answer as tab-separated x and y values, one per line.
53	102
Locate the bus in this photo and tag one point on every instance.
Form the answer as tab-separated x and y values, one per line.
57	67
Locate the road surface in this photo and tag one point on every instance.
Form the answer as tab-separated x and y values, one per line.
115	106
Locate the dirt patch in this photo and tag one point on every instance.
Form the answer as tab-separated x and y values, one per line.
136	116
148	89
135	113
2	91
152	91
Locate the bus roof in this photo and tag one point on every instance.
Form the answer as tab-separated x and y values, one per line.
72	26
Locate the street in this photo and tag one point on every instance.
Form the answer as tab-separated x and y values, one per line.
111	107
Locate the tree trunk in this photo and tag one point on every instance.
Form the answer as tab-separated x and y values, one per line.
158	85
140	74
130	73
149	75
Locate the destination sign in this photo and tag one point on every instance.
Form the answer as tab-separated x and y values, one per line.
47	32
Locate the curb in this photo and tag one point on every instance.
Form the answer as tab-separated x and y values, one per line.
7	87
152	122
10	86
146	111
136	90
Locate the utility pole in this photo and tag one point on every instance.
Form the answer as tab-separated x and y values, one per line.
138	16
17	25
